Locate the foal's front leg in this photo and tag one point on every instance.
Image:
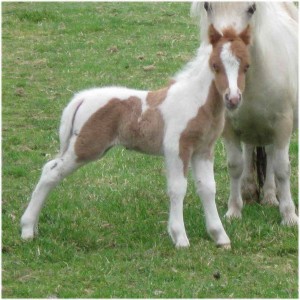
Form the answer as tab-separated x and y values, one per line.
177	185
206	188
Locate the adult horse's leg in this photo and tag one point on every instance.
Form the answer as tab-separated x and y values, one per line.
177	185
235	168
249	187
269	187
203	172
282	170
53	172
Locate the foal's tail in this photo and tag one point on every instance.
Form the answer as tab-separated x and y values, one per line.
67	122
261	166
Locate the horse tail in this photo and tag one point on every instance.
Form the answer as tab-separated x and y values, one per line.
261	165
67	122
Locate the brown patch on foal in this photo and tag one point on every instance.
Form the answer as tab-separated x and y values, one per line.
120	122
155	98
99	131
142	132
203	130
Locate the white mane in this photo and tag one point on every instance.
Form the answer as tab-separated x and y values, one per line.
198	66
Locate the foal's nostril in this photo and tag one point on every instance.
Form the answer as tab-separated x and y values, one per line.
232	102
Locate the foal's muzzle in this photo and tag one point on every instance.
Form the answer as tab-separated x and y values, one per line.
232	102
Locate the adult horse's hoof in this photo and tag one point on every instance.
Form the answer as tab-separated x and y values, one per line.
270	199
291	220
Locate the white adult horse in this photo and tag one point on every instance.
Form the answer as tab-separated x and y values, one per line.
269	109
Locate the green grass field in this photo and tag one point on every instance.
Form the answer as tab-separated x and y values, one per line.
103	230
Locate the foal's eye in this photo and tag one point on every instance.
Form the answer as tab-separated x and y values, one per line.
246	68
215	68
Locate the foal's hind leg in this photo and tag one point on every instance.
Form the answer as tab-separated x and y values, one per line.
53	172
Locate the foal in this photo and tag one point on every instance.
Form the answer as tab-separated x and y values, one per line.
181	122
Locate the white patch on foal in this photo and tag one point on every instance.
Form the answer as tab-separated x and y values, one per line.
231	65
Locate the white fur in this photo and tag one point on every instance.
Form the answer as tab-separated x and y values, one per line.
231	65
270	101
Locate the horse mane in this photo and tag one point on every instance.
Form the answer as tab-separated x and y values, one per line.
198	13
196	67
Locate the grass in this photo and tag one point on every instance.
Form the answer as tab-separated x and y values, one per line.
103	230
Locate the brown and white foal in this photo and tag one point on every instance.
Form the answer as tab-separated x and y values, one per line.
181	122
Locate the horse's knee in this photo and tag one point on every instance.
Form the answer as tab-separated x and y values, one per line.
177	188
282	169
55	170
235	166
206	189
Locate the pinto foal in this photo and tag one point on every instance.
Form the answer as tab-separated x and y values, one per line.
181	122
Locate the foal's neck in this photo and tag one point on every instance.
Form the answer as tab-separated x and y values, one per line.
214	104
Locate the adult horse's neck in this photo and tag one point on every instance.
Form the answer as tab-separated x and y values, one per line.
275	45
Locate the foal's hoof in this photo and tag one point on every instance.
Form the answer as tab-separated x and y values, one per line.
182	243
225	246
233	214
27	235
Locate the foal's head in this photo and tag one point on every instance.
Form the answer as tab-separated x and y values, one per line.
229	62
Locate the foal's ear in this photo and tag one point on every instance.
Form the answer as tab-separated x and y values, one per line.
214	35
245	35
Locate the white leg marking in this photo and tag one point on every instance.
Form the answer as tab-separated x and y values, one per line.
177	185
53	172
206	188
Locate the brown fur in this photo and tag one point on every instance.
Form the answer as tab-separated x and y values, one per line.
121	121
99	131
144	134
155	98
238	49
203	130
228	34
